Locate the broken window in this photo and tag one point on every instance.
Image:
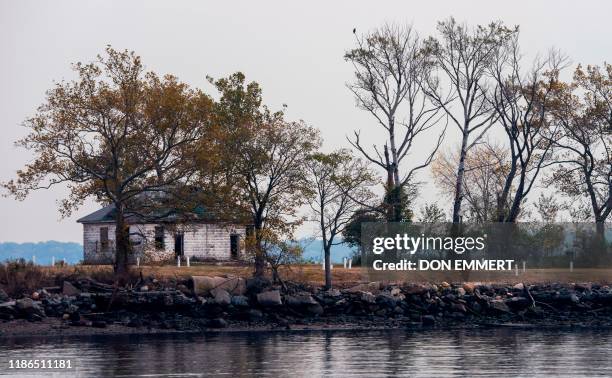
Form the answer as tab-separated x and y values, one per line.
104	237
159	237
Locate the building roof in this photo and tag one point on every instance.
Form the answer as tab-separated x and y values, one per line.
105	214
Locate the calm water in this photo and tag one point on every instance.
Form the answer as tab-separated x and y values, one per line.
471	353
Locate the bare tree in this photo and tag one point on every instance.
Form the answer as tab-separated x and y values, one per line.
341	184
463	55
521	103
584	112
390	71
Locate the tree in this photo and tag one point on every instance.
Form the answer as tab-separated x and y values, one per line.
119	135
463	56
521	103
485	168
340	184
583	110
432	213
390	71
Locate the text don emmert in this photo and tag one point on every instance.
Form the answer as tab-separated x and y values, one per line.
444	265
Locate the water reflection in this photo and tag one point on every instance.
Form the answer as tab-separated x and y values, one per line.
313	354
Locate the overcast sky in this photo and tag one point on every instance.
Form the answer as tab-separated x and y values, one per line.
293	49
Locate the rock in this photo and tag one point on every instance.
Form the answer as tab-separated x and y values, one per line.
3	296
221	296
240	301
203	284
257	285
70	290
416	289
98	324
144	288
459	307
302	299
584	286
255	315
469	287
428	320
367	297
333	293
315	309
269	298
29	307
395	291
372	287
574	298
445	285
519	286
461	292
35	295
217	323
183	289
499	305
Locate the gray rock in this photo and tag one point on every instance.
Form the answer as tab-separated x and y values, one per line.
30	307
499	305
302	299
217	323
368	297
3	296
269	298
221	296
240	301
574	298
255	315
315	309
428	320
69	289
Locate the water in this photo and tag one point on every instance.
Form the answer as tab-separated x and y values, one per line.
471	353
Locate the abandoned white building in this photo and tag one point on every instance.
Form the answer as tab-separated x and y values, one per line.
161	241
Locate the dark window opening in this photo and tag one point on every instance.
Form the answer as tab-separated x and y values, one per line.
234	246
104	237
159	237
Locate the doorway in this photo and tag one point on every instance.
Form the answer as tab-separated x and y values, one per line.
179	244
234	246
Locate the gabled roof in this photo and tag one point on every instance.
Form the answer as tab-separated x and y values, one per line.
105	214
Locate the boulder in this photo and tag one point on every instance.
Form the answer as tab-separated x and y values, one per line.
217	323
519	286
3	296
428	320
367	297
469	287
255	315
202	285
240	301
257	285
29	307
499	305
70	290
269	298
372	287
221	296
301	299
461	292
315	309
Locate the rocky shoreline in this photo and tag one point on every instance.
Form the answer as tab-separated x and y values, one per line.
82	306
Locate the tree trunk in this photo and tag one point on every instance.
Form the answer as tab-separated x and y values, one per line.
122	243
260	262
328	276
459	182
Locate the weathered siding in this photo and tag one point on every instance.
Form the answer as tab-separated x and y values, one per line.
205	241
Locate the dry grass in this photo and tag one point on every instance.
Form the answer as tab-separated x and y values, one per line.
22	278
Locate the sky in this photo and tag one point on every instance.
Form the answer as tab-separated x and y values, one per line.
293	49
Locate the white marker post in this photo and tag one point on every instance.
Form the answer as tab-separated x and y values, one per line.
65	262
188	263
178	261
138	261
344	261
516	270
571	266
523	267
350	263
33	260
53	261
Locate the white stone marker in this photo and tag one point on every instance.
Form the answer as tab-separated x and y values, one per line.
178	261
350	263
523	267
516	269
571	266
33	260
344	261
188	263
53	261
138	261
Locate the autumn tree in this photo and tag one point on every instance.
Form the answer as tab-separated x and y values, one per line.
521	102
463	56
267	154
583	109
390	71
340	184
118	135
485	169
